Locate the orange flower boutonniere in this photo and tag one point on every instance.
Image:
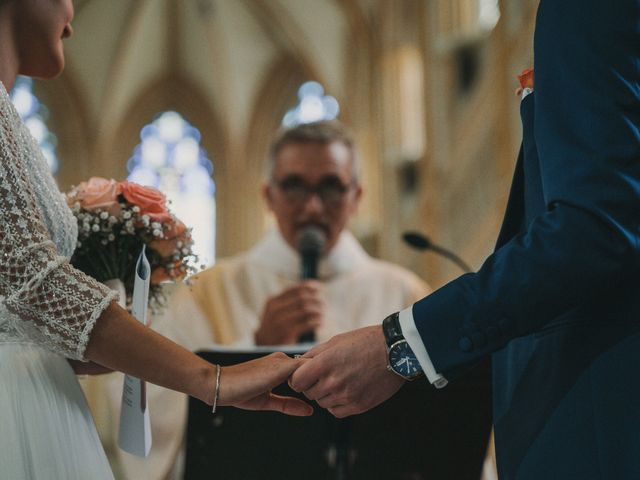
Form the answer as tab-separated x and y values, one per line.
526	82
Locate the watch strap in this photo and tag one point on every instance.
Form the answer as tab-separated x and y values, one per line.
392	330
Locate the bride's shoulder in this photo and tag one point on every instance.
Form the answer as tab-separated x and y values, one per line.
9	117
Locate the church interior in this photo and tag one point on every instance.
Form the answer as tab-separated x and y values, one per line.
186	96
426	87
319	239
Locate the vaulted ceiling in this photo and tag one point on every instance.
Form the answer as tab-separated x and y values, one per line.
232	68
226	49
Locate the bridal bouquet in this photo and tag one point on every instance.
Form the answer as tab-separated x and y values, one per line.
115	219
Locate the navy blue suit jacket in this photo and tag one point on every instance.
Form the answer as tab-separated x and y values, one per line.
558	302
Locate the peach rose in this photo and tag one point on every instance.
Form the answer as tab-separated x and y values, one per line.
151	201
162	274
164	247
173	235
176	230
169	244
97	193
159	275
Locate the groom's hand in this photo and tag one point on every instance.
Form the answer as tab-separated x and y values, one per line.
348	374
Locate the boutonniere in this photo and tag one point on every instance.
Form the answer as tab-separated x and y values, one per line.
526	83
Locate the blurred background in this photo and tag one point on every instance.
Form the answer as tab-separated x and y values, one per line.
187	94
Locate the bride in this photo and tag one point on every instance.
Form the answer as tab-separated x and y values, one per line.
50	312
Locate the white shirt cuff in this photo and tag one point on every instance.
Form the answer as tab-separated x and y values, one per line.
412	336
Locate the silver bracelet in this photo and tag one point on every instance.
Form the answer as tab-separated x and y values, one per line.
217	395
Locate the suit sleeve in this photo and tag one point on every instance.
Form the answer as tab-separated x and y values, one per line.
585	246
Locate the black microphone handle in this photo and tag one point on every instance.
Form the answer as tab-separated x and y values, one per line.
309	266
309	337
309	271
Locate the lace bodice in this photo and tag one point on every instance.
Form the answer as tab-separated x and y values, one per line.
43	299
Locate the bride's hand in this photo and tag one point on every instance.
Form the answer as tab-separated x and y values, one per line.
248	385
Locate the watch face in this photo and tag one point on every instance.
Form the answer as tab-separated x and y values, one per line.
403	361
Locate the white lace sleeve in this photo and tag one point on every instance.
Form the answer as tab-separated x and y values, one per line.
58	304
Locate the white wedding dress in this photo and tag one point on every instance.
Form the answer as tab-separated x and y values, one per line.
47	311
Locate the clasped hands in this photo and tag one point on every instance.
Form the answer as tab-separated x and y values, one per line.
346	375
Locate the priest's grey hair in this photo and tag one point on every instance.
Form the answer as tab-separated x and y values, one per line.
323	133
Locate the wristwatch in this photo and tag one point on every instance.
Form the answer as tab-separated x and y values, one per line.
402	360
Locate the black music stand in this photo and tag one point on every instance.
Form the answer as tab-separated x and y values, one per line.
420	433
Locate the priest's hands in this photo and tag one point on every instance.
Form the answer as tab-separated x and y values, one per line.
248	385
297	310
348	374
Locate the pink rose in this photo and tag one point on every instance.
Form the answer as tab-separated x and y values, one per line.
97	193
151	201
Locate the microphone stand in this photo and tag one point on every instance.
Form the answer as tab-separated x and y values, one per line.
421	242
451	256
341	444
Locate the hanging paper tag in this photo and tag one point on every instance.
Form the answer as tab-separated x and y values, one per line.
135	426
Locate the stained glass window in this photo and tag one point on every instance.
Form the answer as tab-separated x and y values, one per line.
35	114
170	158
464	19
488	13
313	106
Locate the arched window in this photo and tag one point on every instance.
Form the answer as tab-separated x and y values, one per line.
170	158
488	14
313	106
464	19
34	114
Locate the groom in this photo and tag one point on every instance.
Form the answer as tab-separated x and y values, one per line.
557	304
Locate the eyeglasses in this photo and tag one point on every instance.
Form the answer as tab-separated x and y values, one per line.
331	191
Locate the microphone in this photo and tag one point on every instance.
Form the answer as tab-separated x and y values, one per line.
310	245
421	242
